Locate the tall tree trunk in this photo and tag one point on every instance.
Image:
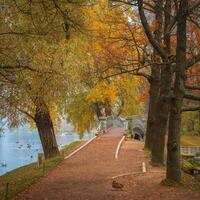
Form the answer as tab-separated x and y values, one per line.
155	83
173	147
199	122
157	59
97	110
162	115
46	130
108	109
153	98
162	110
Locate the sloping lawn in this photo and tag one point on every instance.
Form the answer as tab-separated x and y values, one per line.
189	140
21	178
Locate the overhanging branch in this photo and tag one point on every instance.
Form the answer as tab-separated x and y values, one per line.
193	61
191	96
191	109
189	87
148	32
132	72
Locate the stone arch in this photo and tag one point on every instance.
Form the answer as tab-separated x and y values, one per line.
138	133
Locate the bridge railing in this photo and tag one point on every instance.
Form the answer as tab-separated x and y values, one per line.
190	150
129	124
102	126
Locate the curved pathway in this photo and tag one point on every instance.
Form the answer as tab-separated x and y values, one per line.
87	175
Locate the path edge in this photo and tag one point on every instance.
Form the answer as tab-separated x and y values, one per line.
80	148
118	147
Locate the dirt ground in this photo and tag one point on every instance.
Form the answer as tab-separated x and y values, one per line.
88	175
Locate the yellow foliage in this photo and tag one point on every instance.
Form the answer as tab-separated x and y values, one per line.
101	92
80	113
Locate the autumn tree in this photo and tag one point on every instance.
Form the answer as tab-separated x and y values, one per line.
34	61
150	62
173	164
98	89
34	94
169	49
173	170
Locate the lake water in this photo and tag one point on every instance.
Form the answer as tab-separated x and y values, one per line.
20	146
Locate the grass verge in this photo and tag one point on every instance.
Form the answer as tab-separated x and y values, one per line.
188	182
70	147
189	140
21	178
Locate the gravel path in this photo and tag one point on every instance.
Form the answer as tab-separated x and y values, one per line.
87	175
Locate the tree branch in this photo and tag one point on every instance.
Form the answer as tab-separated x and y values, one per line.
25	112
193	61
148	32
189	87
191	109
191	96
132	72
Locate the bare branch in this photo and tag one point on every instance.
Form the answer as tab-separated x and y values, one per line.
148	32
191	96
193	61
191	109
132	72
189	87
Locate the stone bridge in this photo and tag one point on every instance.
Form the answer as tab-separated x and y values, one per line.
134	125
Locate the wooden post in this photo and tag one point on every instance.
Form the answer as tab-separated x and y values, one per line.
40	159
62	153
144	169
43	167
6	191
